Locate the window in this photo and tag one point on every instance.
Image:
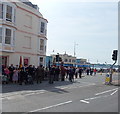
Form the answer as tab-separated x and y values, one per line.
41	44
0	35
73	61
45	48
13	37
14	15
42	27
66	60
1	11
9	13
41	60
8	36
69	60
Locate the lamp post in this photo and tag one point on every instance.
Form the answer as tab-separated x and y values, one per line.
58	59
75	48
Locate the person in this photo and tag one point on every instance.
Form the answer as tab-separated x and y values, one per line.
71	74
39	74
21	75
80	73
67	72
91	71
30	74
76	72
7	74
57	72
51	75
95	71
15	76
88	70
11	69
62	73
46	73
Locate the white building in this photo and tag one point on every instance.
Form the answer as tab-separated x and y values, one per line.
68	60
23	32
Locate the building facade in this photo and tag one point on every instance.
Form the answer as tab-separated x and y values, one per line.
82	63
23	33
66	59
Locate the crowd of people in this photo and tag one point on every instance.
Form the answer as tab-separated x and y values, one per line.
30	74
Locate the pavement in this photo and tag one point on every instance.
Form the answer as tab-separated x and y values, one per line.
88	94
116	82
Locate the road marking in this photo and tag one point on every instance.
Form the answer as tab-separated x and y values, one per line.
85	101
114	92
106	91
88	99
52	106
33	93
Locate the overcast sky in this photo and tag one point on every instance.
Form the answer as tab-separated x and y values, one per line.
92	25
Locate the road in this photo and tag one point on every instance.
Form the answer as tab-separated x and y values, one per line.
88	94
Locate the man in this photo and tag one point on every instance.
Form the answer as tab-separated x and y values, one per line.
62	73
80	73
71	74
39	74
57	72
51	75
11	69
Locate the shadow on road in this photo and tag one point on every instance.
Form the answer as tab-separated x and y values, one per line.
55	87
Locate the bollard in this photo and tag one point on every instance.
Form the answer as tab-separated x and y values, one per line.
107	79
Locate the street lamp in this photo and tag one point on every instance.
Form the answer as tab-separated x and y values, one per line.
58	59
75	48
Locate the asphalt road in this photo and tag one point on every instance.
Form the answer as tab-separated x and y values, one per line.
88	94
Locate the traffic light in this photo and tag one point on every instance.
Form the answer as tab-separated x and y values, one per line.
57	58
114	55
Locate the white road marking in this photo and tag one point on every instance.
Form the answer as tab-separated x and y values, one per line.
106	91
97	97
33	93
85	101
114	92
88	99
52	106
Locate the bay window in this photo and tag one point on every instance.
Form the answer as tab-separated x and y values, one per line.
8	36
42	27
41	44
0	35
9	13
1	11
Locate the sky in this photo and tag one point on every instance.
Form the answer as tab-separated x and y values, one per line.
91	27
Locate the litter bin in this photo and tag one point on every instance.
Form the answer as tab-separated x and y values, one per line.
107	78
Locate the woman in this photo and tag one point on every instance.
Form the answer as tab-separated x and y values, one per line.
15	76
7	73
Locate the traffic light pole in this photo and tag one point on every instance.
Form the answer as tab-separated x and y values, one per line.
111	72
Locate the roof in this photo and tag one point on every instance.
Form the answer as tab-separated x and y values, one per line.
27	2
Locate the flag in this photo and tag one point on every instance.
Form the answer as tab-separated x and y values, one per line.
20	64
